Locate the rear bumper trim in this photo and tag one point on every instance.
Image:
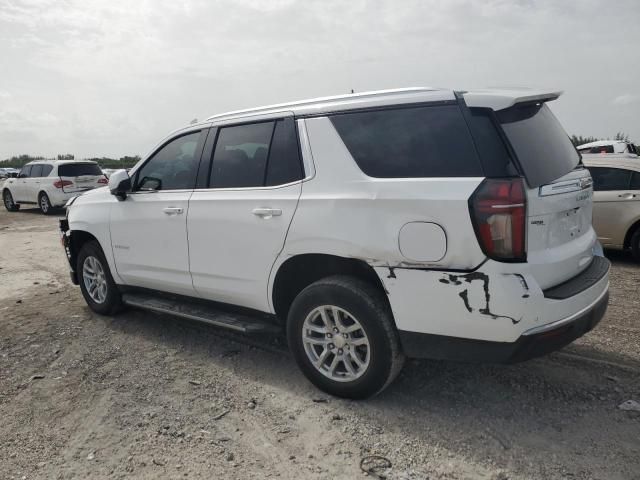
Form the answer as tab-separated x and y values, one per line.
596	270
535	344
569	319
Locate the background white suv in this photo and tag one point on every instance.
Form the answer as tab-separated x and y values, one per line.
417	222
50	183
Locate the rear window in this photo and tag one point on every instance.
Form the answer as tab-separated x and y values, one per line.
78	169
543	148
426	141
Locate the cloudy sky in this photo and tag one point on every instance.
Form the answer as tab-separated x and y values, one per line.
112	77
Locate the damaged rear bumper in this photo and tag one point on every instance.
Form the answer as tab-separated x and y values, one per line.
495	313
529	345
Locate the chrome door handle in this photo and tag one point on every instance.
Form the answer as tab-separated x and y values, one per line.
264	212
173	210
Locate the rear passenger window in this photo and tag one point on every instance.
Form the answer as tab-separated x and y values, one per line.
36	171
284	160
635	181
46	170
256	155
431	141
606	179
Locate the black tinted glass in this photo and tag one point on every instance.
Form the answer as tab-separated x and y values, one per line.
544	150
36	171
610	178
240	156
78	169
173	167
284	161
46	170
26	171
635	181
410	142
494	155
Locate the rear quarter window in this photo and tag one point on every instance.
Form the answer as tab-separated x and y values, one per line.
78	169
425	141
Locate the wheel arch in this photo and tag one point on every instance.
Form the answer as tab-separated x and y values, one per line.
300	271
630	231
77	239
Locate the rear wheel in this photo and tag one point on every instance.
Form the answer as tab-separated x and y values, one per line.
44	203
341	333
96	283
9	204
635	244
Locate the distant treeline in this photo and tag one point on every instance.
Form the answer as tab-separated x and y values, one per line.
104	162
580	140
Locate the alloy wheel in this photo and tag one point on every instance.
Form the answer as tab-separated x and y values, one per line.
336	343
94	279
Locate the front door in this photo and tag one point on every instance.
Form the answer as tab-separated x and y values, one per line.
149	228
238	224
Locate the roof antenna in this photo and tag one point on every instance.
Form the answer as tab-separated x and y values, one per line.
352	91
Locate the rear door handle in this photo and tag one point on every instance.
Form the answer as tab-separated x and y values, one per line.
264	212
173	210
626	195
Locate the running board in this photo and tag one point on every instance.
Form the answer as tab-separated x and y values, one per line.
194	310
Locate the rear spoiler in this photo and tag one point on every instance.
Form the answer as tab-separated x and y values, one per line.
499	99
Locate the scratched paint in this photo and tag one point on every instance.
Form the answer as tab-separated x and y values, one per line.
466	280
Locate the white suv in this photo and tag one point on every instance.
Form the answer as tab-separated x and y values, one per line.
51	183
370	227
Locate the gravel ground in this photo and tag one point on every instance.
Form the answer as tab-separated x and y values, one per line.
141	395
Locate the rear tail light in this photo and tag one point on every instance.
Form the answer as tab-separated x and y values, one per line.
62	183
104	180
498	212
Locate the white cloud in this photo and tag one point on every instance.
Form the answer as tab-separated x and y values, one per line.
626	99
118	75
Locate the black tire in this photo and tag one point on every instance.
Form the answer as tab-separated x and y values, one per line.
112	302
44	203
635	244
9	204
365	303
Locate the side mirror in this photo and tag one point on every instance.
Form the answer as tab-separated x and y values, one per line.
120	184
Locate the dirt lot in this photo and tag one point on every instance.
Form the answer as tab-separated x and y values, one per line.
146	396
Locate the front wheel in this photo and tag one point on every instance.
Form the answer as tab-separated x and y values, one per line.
9	204
341	333
96	283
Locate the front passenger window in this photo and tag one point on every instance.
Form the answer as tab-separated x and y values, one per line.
25	172
173	167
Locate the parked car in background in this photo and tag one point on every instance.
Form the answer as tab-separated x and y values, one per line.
9	172
616	200
609	147
415	222
50	183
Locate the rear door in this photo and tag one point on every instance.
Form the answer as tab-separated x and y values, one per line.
79	176
238	223
616	203
560	238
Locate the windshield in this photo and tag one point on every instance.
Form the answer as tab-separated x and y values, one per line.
543	148
79	169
